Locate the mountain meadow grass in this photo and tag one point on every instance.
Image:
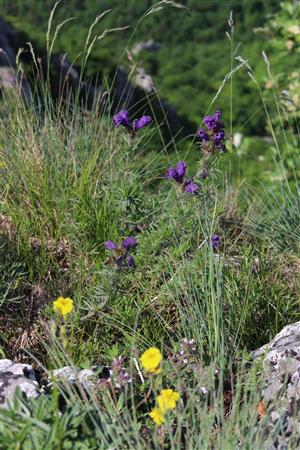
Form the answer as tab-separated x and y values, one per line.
70	181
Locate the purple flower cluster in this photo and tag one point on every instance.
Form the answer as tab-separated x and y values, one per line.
115	377
122	118
187	350
119	376
215	241
120	254
178	175
212	139
186	355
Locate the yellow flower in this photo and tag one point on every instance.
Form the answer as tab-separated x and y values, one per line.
157	416
63	306
167	399
151	360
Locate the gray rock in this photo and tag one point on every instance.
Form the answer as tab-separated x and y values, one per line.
144	81
150	46
6	365
7	35
85	377
125	93
10	78
16	376
281	392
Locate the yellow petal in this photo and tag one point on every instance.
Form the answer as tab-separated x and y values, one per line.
167	399
157	416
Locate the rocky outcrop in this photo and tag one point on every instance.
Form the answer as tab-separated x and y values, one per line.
35	382
16	376
9	77
150	46
281	392
7	35
86	377
144	80
133	94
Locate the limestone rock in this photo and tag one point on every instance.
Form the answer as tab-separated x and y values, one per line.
86	377
14	376
150	46
144	81
281	393
10	78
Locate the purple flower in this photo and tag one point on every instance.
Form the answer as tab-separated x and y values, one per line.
212	140
215	240
119	375
120	255
177	173
141	123
219	137
110	245
190	187
181	168
186	356
121	118
213	122
172	173
129	242
119	261
130	261
202	135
